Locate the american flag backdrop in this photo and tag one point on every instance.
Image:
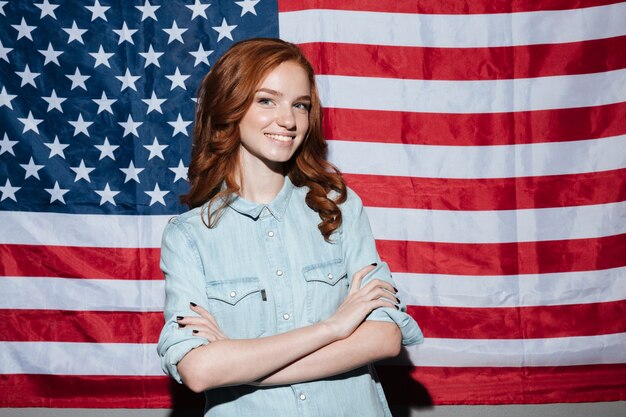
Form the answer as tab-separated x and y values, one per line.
487	140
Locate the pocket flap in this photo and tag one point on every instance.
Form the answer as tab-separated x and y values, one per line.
233	291
329	272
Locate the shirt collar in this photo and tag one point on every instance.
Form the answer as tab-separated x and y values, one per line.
276	207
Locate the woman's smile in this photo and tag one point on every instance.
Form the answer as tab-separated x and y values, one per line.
280	138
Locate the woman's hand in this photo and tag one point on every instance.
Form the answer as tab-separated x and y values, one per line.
360	302
204	326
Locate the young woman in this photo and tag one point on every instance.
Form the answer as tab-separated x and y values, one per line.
276	299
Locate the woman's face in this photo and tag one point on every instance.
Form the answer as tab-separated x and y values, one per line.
278	119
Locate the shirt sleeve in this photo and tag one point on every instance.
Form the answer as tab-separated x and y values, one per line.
184	283
360	250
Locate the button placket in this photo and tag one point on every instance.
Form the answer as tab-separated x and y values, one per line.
283	304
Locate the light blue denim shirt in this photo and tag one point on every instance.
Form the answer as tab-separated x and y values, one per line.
266	269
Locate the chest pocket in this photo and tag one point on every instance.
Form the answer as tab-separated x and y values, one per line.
326	288
238	306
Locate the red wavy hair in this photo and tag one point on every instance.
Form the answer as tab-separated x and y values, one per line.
225	95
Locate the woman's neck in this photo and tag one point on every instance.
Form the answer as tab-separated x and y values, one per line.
258	182
261	188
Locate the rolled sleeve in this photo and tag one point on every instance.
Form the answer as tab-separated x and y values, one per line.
411	333
360	250
184	283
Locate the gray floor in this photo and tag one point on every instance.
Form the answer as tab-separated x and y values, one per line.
614	409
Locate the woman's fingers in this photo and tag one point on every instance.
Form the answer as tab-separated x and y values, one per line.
202	327
206	323
379	283
381	293
360	301
373	292
210	336
383	302
200	310
358	276
377	289
204	313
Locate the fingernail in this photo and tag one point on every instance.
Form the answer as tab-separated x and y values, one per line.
374	264
179	317
181	325
193	304
395	289
194	332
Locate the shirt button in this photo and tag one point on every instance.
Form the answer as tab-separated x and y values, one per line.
286	316
270	233
302	397
279	273
232	294
330	276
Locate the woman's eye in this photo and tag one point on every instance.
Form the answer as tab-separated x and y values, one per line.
264	101
302	106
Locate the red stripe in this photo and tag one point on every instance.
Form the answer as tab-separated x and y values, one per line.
440	322
533	385
403	256
492	193
527	61
79	262
80	326
65	391
403	385
521	322
504	258
475	129
439	6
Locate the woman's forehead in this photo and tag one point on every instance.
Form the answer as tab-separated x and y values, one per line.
288	78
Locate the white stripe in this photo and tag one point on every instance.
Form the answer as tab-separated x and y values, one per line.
60	358
81	294
415	289
557	351
483	96
453	31
141	359
529	225
500	161
60	229
513	290
499	226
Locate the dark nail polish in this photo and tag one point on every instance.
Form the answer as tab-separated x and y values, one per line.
179	317
193	304
181	325
374	264
395	289
195	332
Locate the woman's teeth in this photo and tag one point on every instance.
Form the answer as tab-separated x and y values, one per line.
280	138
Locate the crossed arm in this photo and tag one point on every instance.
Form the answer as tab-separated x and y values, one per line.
336	345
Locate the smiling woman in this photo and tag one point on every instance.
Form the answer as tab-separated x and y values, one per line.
274	126
276	300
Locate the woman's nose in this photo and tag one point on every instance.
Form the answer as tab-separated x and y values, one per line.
285	118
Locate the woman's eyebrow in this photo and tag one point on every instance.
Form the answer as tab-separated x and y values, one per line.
269	91
279	94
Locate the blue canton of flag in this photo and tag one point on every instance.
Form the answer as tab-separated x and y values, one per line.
97	98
